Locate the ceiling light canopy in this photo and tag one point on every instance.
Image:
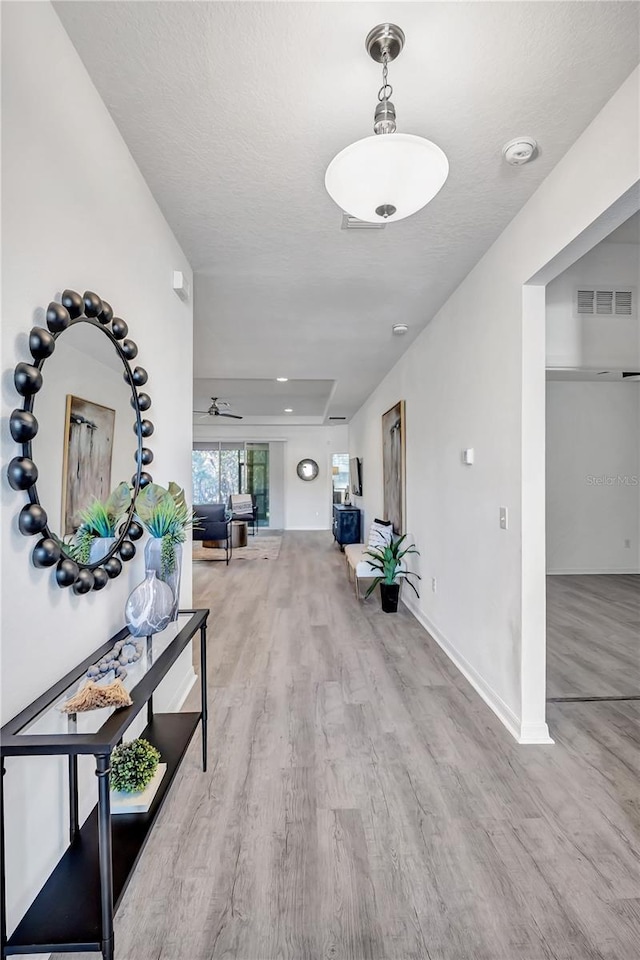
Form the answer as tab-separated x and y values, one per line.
391	175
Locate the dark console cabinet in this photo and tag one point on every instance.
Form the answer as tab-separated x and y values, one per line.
347	524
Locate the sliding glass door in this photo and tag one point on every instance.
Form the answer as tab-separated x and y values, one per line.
223	468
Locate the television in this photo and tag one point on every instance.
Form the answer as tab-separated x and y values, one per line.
355	476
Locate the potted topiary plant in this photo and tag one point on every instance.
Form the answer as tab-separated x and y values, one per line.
97	531
388	561
166	517
133	765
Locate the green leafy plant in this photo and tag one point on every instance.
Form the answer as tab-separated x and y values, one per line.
165	515
133	765
100	520
388	561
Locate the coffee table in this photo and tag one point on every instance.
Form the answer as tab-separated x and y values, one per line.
239	532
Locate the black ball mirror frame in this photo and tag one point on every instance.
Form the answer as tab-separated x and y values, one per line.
22	471
304	466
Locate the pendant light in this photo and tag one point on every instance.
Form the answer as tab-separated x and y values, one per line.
391	175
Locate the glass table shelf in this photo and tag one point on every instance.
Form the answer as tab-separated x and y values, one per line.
51	720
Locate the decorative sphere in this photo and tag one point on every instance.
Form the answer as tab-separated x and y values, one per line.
105	316
67	572
92	307
145	479
32	519
113	567
127	550
41	343
23	426
144	401
146	456
146	428
46	553
130	349
100	578
84	582
22	473
73	303
27	379
135	530
119	328
58	317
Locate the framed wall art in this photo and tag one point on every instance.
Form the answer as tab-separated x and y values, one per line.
393	465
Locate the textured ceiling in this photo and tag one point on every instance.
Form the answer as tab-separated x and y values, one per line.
234	110
257	399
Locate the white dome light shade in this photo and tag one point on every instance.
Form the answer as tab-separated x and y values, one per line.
394	170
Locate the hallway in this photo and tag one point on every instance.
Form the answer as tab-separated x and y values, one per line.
363	802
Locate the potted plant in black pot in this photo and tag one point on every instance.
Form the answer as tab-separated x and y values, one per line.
388	561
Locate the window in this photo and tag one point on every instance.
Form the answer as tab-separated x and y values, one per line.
220	469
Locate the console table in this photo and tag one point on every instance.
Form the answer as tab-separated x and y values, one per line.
74	910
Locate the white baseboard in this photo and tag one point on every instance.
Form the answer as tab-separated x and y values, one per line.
576	572
308	528
523	733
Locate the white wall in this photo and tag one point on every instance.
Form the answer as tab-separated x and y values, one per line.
475	378
307	504
593	477
76	213
594	341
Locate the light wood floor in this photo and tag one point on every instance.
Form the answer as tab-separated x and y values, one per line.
362	803
593	636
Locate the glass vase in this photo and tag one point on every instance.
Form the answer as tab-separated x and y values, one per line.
149	606
100	547
171	576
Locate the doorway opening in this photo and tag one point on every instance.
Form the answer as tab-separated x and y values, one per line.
593	473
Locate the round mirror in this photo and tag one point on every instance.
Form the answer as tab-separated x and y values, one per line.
81	421
85	445
307	469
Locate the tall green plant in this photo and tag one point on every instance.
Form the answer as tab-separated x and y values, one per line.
388	561
101	520
165	516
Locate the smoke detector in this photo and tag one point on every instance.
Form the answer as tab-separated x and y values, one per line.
519	151
399	329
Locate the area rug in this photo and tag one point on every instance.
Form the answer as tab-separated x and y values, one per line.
261	547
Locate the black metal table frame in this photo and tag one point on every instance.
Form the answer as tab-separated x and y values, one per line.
100	744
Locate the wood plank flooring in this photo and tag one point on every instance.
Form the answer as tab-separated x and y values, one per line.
593	636
362	802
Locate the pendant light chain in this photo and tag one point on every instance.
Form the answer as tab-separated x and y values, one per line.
386	89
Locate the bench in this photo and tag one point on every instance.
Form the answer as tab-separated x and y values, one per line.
358	566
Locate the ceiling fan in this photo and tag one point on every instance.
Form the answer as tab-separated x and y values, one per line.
215	411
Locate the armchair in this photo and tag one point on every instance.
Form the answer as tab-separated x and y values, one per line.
213	524
243	506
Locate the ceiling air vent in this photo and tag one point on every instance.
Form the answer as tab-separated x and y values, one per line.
605	303
337	418
624	303
352	223
586	301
